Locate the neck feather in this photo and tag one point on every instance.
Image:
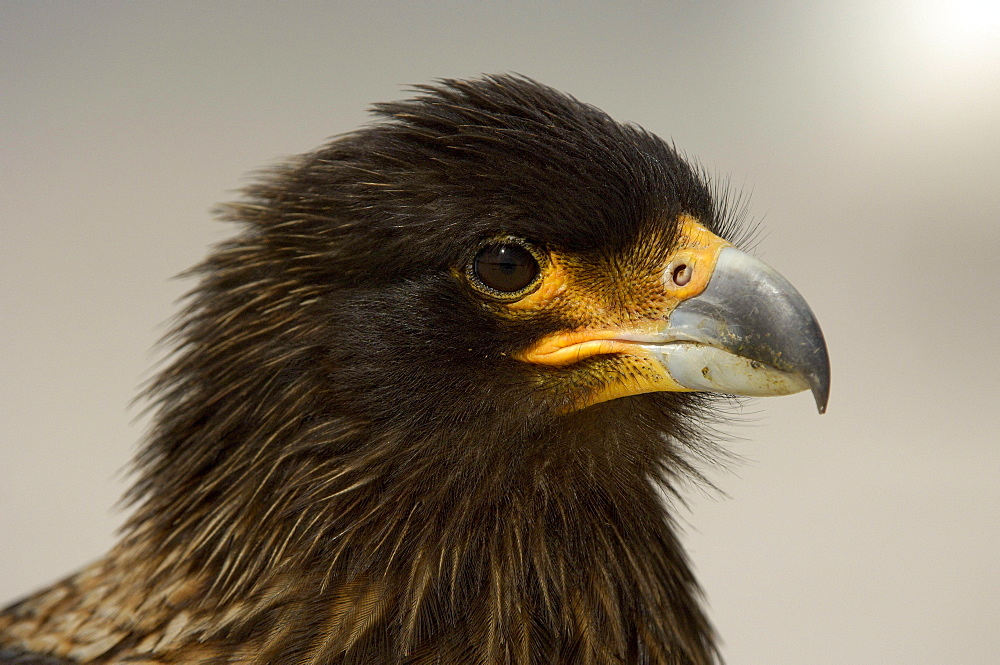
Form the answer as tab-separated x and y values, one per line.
376	546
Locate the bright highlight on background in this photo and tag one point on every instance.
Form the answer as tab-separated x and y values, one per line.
963	28
929	64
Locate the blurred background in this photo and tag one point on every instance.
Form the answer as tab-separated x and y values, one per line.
868	134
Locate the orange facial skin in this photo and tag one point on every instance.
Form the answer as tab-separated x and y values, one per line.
607	311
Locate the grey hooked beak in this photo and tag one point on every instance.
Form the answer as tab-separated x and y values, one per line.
748	333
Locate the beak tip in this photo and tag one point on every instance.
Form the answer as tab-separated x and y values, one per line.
820	387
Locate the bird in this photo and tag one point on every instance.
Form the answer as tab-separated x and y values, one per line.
436	402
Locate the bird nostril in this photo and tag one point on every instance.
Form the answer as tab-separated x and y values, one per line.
681	274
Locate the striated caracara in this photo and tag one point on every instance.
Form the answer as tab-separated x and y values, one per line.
424	407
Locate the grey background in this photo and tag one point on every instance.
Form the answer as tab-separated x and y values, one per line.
868	133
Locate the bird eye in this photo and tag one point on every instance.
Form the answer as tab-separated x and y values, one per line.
505	268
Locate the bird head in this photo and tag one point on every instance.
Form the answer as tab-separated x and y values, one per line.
494	250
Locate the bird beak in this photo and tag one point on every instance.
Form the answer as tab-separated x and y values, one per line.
730	324
749	332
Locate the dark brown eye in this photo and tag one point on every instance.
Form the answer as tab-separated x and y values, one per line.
505	267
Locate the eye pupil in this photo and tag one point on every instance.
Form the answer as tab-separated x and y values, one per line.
505	267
